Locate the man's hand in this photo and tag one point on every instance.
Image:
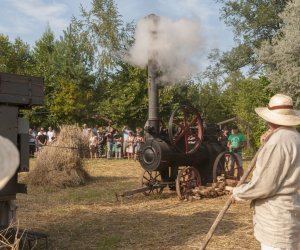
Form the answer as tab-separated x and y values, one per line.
233	200
230	189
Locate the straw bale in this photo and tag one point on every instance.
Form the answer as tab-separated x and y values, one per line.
60	164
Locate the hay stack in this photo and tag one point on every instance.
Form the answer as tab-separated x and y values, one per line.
60	164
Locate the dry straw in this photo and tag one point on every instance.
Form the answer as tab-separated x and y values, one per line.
9	238
60	164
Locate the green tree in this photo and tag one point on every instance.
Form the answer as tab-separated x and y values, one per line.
74	80
43	55
15	57
69	83
207	99
103	35
281	56
242	98
70	102
123	98
81	63
253	21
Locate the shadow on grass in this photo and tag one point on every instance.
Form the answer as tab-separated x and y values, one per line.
132	230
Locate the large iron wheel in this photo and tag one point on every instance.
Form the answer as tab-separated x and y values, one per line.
188	178
151	179
227	166
185	129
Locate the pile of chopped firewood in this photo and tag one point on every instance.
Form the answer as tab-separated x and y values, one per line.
212	190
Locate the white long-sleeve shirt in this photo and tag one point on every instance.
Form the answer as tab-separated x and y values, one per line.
274	190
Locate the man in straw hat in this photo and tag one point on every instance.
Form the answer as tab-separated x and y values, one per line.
274	186
9	160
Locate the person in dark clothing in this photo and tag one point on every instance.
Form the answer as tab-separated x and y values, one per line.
117	137
223	138
31	141
109	142
42	138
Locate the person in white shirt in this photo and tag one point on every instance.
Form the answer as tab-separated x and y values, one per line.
274	187
51	134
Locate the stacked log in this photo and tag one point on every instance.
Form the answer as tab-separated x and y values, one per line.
213	190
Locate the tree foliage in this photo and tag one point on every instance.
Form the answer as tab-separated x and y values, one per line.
253	21
124	97
43	55
68	81
15	57
281	56
103	34
70	102
242	98
208	99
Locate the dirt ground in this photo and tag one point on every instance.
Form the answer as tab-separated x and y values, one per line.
89	217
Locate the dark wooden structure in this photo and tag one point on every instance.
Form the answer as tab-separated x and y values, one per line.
16	91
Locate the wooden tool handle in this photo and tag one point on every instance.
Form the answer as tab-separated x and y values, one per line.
242	180
228	202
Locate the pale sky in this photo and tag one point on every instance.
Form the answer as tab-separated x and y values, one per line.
28	19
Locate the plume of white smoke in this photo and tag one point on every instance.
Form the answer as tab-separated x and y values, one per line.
174	45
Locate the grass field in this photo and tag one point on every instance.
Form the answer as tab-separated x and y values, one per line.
89	217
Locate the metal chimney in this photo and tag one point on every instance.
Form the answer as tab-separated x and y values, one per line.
153	112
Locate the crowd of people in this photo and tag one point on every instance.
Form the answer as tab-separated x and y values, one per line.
38	138
109	142
106	142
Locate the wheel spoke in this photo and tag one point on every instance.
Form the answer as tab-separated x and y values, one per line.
185	117
195	118
181	134
186	137
144	177
226	164
150	179
178	125
187	179
157	175
183	175
221	168
195	135
179	137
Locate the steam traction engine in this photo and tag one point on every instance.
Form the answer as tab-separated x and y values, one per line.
185	155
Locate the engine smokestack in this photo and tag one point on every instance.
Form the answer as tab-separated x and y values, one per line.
153	112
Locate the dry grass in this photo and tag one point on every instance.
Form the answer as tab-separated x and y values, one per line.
88	217
8	240
60	164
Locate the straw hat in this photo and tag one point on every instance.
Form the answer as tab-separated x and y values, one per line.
280	111
10	160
